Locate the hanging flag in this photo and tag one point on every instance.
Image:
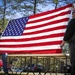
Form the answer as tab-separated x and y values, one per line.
37	34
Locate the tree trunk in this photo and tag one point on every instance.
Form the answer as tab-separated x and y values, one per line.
56	6
34	6
4	1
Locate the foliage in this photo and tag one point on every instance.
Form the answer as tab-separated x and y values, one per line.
6	22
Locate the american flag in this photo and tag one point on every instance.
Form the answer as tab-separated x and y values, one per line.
37	34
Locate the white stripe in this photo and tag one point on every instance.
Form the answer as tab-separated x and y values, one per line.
46	27
35	35
33	41
47	15
46	21
33	48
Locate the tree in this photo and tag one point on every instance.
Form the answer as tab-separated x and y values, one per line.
4	10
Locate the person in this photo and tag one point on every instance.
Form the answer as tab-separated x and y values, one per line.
4	58
70	38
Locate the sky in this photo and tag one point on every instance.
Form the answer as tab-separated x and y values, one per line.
0	2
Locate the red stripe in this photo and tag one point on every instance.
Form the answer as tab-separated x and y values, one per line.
51	51
48	24
48	18
51	11
31	39
45	30
31	45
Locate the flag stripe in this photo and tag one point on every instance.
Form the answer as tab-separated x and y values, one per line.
48	47
31	39
32	51
30	45
45	30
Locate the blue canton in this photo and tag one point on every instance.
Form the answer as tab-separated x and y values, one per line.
15	27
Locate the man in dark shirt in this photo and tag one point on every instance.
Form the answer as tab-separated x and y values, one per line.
70	38
4	59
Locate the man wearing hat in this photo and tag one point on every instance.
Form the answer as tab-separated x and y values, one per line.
70	38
